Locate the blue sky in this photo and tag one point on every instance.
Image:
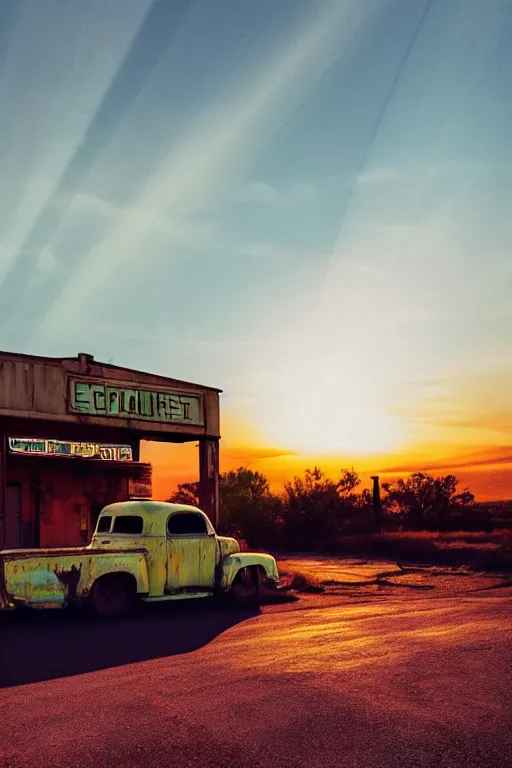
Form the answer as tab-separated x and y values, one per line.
304	202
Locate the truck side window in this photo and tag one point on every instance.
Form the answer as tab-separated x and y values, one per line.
128	524
186	523
103	524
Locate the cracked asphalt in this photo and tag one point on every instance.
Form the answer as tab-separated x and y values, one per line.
385	669
355	577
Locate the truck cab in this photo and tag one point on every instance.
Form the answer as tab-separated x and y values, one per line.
183	550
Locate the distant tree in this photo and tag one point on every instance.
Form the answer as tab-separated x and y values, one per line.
186	493
248	507
315	508
347	482
243	485
356	515
425	502
365	498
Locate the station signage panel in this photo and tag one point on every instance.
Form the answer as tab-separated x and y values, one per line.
104	451
125	402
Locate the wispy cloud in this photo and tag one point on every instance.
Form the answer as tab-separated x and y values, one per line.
254	454
488	421
379	176
292	195
46	261
268	251
500	455
361	266
408	173
222	143
50	61
461	403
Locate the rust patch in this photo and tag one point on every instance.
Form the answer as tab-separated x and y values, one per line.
70	579
219	571
192	590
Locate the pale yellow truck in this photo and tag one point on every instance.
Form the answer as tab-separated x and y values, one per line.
143	550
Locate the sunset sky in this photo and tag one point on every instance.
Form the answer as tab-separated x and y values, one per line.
305	203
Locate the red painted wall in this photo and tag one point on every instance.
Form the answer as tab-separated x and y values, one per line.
59	497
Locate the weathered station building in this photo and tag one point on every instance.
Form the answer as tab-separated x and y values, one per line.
70	433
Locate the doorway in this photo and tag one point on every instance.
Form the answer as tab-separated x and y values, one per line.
13	516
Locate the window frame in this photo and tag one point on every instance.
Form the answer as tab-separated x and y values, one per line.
207	532
125	533
100	518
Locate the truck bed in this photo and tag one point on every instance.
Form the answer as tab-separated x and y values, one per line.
55	578
19	554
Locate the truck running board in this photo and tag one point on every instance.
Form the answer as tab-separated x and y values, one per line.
180	596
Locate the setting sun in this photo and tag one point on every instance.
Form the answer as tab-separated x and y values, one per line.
326	419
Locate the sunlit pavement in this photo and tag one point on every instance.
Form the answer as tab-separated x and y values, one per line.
357	578
402	677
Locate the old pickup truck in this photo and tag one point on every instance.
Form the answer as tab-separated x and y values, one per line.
140	551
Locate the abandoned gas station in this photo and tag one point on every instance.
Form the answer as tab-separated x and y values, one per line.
70	434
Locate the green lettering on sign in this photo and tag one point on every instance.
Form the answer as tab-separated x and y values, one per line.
93	399
108	452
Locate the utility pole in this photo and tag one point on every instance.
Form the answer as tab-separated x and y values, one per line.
376	503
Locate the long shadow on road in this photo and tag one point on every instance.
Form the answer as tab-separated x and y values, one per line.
43	646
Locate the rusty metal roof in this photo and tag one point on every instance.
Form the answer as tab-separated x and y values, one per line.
110	366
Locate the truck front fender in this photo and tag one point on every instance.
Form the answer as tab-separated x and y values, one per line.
231	565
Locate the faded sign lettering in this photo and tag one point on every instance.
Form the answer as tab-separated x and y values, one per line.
66	448
127	403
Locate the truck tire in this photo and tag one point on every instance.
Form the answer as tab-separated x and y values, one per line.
246	586
113	595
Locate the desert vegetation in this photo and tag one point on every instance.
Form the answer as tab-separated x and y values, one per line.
420	518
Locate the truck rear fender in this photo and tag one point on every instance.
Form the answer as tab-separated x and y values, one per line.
133	567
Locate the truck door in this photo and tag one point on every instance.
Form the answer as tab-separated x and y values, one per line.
191	553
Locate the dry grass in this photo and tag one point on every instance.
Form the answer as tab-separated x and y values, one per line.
299	580
478	550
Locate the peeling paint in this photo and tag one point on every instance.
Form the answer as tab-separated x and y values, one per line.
160	564
70	579
231	565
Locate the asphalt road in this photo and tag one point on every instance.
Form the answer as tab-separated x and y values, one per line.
408	680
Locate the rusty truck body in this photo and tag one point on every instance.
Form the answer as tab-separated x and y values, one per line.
140	551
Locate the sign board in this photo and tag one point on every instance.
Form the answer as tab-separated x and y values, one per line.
93	399
31	445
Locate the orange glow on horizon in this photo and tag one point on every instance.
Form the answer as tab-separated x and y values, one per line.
174	464
458	424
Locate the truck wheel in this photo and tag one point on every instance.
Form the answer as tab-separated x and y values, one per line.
245	587
113	595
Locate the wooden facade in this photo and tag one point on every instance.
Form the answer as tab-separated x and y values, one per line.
54	411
